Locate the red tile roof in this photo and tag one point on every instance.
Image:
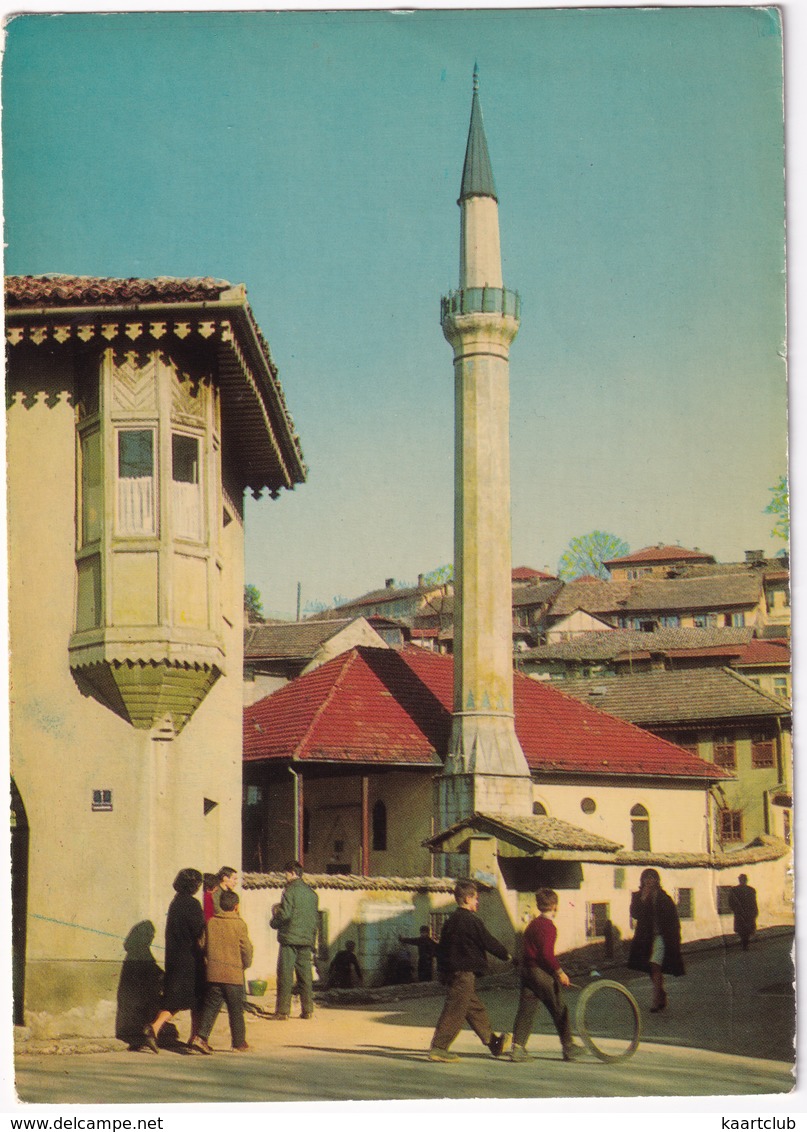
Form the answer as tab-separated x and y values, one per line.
90	290
382	706
773	651
528	574
661	554
365	705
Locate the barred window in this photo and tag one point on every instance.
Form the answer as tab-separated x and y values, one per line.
762	751
725	751
731	825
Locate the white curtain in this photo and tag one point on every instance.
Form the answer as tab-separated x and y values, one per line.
136	506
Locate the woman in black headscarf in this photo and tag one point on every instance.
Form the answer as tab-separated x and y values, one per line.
184	985
656	944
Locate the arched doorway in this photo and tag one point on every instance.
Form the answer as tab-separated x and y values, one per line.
19	900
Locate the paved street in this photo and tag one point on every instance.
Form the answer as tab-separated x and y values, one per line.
728	1030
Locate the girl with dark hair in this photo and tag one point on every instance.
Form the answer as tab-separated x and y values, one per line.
656	944
184	985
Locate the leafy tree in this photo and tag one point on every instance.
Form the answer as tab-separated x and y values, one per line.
780	507
439	576
586	554
253	603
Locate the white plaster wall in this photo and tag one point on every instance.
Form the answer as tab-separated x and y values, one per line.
772	880
575	624
678	815
346	911
94	875
358	632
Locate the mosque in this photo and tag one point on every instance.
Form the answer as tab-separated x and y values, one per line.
155	404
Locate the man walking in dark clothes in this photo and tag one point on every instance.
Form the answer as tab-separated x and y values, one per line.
461	956
743	903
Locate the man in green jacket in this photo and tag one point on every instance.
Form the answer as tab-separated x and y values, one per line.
295	918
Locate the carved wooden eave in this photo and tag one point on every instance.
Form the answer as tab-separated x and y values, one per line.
146	694
263	447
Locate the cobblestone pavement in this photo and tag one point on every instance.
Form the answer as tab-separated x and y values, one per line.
728	1031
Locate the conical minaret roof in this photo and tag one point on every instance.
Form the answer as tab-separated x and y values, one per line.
477	173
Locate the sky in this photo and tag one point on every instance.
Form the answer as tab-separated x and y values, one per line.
317	157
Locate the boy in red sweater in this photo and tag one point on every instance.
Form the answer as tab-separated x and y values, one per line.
541	981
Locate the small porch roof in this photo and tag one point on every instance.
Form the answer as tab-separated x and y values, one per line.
534	835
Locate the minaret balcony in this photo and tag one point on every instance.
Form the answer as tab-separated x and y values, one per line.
481	300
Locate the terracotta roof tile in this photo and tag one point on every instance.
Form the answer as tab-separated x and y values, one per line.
650	698
660	555
538	593
290	639
533	832
528	574
712	592
90	290
774	651
378	705
592	595
624	642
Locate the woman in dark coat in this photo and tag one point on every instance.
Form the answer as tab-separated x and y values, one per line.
656	944
184	985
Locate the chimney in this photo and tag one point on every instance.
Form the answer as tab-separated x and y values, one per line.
754	557
389	584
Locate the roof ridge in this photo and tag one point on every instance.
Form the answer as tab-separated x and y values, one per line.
348	659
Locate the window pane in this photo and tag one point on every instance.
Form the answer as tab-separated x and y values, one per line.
135	453
185	451
91	495
186	488
685	904
136	482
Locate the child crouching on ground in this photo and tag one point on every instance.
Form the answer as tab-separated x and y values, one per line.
228	953
541	981
460	958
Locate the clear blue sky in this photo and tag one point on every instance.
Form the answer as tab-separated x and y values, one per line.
316	157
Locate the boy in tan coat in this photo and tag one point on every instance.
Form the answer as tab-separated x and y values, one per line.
228	953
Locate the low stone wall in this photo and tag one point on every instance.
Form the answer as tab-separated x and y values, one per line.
371	911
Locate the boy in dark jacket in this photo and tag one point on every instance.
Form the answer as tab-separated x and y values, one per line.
460	958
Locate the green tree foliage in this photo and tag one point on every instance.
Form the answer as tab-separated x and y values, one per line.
253	603
439	576
586	554
780	507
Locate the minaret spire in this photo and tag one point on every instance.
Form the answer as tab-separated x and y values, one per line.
477	172
485	769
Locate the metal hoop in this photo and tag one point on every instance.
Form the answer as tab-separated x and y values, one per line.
580	1018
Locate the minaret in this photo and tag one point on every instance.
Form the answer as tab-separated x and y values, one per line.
485	769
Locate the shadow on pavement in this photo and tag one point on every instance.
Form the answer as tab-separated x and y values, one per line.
731	1001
